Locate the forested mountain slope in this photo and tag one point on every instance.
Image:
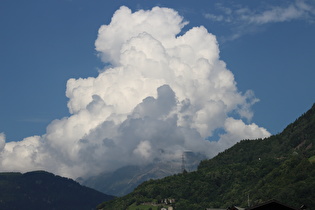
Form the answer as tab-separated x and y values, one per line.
280	167
43	190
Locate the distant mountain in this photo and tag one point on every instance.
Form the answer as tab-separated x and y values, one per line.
280	167
126	179
43	190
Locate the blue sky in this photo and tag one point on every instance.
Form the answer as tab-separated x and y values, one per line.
268	46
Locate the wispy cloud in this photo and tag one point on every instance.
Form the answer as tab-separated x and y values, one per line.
240	17
294	11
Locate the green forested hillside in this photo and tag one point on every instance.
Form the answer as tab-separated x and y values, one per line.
43	190
280	167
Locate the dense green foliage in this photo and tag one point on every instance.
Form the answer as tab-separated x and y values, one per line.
43	190
280	167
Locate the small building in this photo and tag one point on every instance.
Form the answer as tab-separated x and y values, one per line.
168	201
272	205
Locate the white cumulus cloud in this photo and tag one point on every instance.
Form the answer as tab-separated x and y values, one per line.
2	141
162	94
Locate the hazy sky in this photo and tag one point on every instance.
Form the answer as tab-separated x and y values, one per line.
82	81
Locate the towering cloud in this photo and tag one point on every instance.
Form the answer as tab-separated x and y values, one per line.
162	94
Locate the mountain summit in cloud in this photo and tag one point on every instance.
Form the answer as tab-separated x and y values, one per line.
162	92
